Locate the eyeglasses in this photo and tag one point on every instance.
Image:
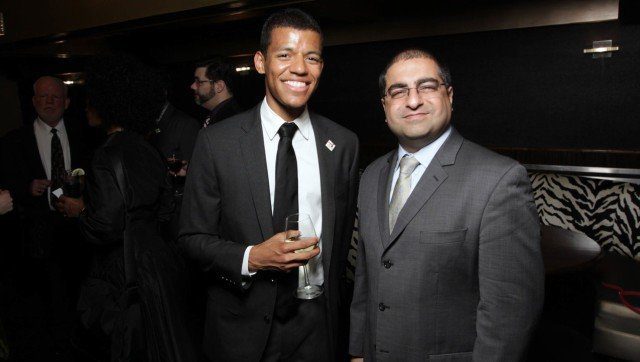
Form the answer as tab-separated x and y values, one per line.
199	82
424	89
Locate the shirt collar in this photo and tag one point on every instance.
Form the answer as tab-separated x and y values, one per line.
46	128
271	122
426	154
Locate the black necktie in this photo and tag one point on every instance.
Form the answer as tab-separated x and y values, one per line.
57	164
285	203
286	191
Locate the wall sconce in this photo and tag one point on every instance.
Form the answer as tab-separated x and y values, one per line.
1	24
601	49
243	69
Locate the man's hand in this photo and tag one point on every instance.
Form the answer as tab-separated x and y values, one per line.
357	359
37	187
6	202
69	206
275	254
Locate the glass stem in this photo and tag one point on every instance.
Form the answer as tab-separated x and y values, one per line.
306	275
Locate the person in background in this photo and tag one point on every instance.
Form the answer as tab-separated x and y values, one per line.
128	197
213	89
449	264
39	154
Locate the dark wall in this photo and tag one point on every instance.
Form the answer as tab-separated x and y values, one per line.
530	88
523	88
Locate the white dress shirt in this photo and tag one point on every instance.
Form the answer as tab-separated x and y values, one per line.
425	155
309	196
43	135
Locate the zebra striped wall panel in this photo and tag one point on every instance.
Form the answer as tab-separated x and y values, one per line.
606	211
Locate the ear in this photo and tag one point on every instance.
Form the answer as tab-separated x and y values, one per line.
66	103
450	93
219	86
258	61
384	107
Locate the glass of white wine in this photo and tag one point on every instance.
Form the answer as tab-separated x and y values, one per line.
299	227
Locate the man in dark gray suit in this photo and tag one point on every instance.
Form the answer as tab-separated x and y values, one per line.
449	265
234	208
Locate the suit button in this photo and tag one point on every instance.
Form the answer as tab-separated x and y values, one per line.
387	264
267	318
382	307
272	281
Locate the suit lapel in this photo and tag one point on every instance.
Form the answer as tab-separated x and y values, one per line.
254	161
432	178
326	161
74	149
384	190
31	148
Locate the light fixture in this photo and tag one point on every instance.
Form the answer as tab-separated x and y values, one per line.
243	69
1	24
601	49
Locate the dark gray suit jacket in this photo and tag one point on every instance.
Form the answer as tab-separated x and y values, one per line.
460	277
227	207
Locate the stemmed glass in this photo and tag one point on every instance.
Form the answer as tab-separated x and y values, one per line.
175	165
299	227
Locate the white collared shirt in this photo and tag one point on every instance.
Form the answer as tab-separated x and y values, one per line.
425	155
309	195
43	135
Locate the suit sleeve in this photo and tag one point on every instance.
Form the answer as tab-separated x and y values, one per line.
200	218
188	137
358	315
511	274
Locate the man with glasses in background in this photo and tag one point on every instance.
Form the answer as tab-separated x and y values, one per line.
213	89
449	263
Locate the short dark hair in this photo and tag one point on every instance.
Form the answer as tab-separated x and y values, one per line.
218	69
287	18
413	53
124	92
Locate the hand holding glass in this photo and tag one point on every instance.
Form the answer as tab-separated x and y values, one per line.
298	227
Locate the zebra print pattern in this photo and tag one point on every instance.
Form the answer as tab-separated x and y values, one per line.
606	211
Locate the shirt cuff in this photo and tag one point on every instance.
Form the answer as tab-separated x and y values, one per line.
245	263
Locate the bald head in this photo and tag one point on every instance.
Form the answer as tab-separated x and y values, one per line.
50	99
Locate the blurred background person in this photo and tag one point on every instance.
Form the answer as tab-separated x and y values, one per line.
124	99
38	155
174	136
213	89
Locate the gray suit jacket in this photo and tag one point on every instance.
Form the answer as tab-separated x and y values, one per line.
460	277
227	207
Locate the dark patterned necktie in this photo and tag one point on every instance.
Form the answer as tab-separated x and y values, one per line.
57	164
285	203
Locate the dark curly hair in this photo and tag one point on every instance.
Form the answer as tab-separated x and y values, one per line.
125	92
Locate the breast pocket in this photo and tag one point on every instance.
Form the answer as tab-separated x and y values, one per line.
445	250
443	237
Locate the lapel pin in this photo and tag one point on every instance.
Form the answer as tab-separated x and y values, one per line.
157	130
330	145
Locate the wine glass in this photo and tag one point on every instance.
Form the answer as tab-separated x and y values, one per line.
299	227
73	184
175	165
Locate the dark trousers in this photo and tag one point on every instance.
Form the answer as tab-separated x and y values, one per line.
302	337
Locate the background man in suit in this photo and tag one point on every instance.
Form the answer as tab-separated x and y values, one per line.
38	155
449	264
213	89
236	200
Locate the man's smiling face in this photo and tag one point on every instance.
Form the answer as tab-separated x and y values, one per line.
292	66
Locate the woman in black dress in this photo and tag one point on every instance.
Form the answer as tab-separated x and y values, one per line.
137	309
